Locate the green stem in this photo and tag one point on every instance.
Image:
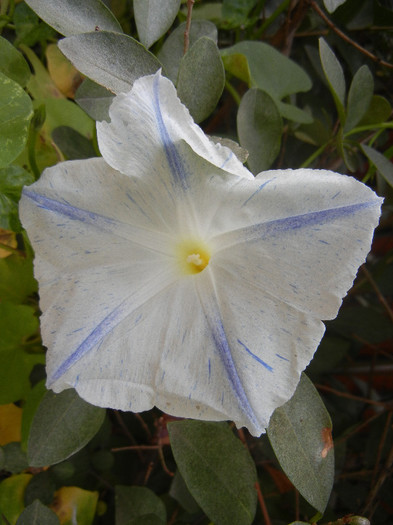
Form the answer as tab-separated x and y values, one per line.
233	92
31	153
272	18
314	155
360	129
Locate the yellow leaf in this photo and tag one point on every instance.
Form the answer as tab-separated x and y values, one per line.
75	505
66	77
7	238
12	491
10	424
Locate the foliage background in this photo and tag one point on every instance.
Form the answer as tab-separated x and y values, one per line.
64	461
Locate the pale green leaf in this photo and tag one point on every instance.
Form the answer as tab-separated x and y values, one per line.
71	17
334	75
259	128
359	97
218	470
13	64
133	504
269	69
236	12
153	18
331	5
172	50
300	434
291	112
179	491
30	406
112	60
16	110
378	111
94	99
38	514
62	425
383	164
201	78
15	459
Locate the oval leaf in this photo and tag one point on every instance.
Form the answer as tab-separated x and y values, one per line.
94	99
259	128
153	18
76	505
217	469
334	75
37	514
201	78
13	64
359	97
62	425
172	51
300	434
382	163
71	17
331	5
110	59
378	111
12	179
16	111
269	69
12	490
136	503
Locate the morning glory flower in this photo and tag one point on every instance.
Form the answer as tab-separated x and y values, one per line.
169	276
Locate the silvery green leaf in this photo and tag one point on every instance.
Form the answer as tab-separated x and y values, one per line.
334	75
300	434
113	60
172	51
94	99
359	97
262	66
201	78
241	153
71	17
382	163
153	18
331	5
259	128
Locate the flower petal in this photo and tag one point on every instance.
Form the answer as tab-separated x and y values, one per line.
90	263
269	343
151	358
310	232
147	123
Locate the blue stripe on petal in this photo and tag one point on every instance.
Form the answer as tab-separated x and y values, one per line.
283	358
63	208
268	367
296	222
175	161
222	345
97	335
258	190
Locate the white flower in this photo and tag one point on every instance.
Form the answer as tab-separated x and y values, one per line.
170	276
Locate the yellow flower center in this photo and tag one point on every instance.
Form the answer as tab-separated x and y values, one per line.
192	256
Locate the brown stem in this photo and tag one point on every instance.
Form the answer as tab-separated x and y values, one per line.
262	504
190	5
326	388
381	298
347	39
